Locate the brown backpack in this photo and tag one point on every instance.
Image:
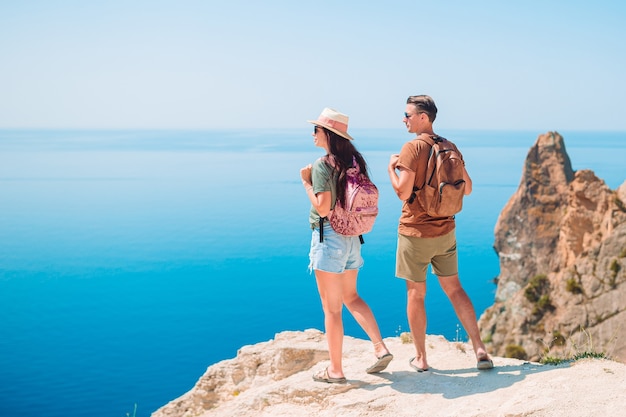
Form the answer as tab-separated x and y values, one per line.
442	193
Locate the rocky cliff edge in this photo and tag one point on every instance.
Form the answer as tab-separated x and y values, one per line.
274	379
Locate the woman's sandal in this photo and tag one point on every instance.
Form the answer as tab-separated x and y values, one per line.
322	376
484	364
380	364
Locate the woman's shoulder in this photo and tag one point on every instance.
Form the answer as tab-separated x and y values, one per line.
324	162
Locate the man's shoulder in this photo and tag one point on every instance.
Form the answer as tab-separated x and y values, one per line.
415	146
415	143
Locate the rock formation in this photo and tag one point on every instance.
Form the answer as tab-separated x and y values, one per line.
273	379
561	242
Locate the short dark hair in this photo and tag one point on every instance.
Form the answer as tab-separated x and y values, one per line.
424	103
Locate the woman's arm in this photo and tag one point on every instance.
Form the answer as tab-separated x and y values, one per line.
320	201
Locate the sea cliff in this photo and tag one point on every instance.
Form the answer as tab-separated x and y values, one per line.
561	243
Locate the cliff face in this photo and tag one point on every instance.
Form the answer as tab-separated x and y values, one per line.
561	241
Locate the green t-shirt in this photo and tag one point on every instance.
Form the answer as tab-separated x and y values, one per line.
323	178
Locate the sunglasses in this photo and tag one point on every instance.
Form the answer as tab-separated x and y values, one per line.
408	116
317	128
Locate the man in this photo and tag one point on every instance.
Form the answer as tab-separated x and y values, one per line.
424	240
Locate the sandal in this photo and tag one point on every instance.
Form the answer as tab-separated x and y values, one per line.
484	364
380	364
322	376
417	368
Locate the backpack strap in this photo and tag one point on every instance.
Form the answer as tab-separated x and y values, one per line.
435	139
430	140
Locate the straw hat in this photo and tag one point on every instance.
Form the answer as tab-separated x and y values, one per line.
333	121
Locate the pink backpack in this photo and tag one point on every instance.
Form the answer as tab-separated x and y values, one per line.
359	215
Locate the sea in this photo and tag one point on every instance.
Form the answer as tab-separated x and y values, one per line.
132	260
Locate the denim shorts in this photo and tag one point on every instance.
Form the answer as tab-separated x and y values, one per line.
336	254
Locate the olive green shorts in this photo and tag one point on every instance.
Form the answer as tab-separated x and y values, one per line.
415	253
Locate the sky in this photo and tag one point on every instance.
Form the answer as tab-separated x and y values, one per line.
233	64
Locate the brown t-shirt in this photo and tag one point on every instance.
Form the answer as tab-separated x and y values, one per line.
414	221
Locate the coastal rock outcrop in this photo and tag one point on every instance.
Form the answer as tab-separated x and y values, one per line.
561	242
273	379
255	365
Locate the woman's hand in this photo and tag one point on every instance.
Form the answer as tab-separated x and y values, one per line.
305	174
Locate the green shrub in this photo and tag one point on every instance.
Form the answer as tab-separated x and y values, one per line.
614	268
515	351
580	347
543	305
537	293
572	285
536	287
584	355
558	339
551	360
544	302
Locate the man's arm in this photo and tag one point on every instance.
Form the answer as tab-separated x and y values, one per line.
468	182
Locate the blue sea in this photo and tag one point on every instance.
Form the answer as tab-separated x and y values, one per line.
130	261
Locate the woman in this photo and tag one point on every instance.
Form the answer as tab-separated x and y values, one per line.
336	258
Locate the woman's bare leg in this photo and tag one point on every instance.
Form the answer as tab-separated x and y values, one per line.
362	312
330	286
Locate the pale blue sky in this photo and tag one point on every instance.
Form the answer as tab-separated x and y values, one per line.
538	65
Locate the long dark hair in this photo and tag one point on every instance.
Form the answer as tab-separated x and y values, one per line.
341	154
